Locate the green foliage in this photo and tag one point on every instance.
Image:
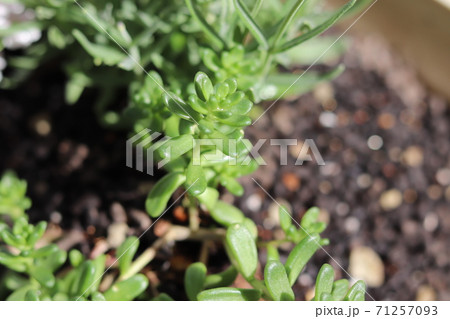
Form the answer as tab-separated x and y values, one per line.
278	277
12	196
208	62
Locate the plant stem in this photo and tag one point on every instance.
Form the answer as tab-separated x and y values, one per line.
286	22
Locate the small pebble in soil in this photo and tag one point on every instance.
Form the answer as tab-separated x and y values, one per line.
328	119
365	264
386	121
342	209
375	142
409	196
352	225
364	180
254	202
390	199
413	156
360	117
291	181
434	192
443	176
425	293
180	214
325	187
42	126
431	222
395	154
56	217
116	234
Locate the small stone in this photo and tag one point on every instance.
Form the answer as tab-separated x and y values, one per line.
342	209
443	176
431	222
365	264
328	119
254	202
325	187
180	214
426	293
375	142
364	180
118	213
386	121
352	225
409	196
273	217
413	156
116	234
291	181
434	192
360	117
390	199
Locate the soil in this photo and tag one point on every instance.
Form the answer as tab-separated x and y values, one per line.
385	185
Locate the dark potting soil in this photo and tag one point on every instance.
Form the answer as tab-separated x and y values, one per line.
385	185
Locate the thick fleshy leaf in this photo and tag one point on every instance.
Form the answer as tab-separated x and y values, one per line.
324	282
300	255
176	146
224	278
32	295
128	289
241	247
232	185
162	191
226	214
229	294
43	275
162	297
203	86
285	219
125	253
340	288
277	281
84	279
237	120
195	180
357	292
209	198
176	105
194	279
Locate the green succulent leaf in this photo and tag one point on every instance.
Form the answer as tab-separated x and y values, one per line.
176	146
226	214
209	198
277	281
229	294
125	253
224	278
300	255
194	280
324	282
162	191
241	247
127	290
195	180
340	288
357	292
43	275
